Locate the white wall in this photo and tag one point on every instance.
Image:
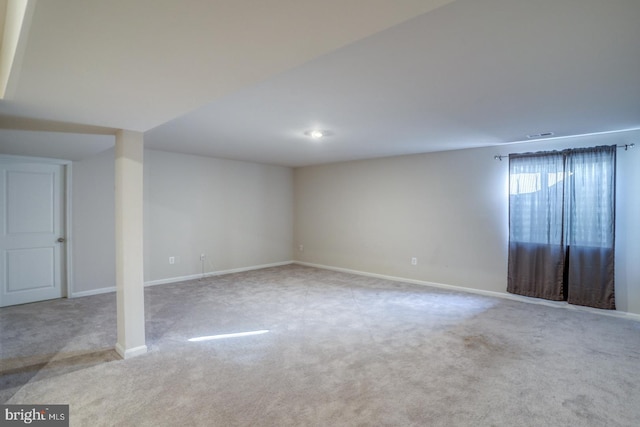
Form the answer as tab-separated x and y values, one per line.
93	223
239	214
448	209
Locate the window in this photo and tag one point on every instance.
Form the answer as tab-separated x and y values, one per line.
561	225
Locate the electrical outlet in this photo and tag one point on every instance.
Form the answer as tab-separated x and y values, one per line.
202	257
172	260
414	261
301	248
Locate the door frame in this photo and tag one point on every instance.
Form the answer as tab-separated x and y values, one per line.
67	266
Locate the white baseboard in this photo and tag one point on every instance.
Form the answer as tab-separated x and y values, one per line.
181	278
528	300
131	352
214	273
555	304
92	292
174	279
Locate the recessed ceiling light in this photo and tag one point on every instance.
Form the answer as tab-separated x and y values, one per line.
317	133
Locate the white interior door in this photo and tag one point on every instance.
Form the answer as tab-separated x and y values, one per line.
31	223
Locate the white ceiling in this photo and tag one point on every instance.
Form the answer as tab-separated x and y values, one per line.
244	80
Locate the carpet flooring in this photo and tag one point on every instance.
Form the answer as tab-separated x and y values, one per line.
341	350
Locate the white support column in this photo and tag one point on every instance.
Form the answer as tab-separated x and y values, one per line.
129	244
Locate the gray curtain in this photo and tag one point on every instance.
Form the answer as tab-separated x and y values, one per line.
590	226
561	225
536	245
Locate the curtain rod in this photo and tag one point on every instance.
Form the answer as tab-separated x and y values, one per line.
625	146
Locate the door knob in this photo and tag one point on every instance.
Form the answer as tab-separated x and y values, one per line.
60	239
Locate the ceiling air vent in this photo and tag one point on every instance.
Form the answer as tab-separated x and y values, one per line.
540	135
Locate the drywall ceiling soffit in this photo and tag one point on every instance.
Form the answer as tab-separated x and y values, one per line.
54	145
16	23
22	136
137	64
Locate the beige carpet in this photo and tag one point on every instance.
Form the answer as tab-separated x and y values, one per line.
341	350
